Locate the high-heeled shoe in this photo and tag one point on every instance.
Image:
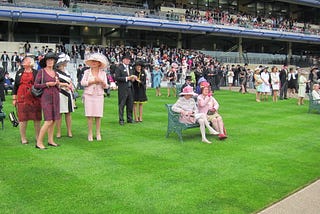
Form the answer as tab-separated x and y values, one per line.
98	137
54	145
24	142
90	138
38	147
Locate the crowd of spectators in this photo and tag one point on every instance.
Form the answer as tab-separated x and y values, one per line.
220	17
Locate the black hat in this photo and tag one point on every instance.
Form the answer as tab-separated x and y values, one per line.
188	78
139	62
49	55
126	55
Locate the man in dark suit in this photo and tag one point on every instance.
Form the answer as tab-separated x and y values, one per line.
283	82
5	59
124	77
14	60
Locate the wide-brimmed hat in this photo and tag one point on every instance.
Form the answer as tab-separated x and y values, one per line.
49	55
97	57
174	65
188	90
62	58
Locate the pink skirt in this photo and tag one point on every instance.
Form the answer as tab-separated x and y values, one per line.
93	105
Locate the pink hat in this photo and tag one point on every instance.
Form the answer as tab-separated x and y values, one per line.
188	90
174	65
204	84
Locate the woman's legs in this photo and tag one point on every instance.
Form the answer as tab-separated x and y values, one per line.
37	126
51	133
98	128
68	123
140	111
135	113
58	125
90	135
203	131
218	125
258	96
42	132
23	128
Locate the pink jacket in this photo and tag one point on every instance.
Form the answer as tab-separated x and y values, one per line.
94	89
207	103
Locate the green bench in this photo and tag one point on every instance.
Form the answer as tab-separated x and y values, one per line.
2	117
174	124
313	104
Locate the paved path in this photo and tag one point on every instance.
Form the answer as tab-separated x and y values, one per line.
304	201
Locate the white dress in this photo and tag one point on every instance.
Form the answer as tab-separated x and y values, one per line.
302	86
230	76
275	80
265	84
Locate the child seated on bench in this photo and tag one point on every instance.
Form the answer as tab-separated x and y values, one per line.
189	113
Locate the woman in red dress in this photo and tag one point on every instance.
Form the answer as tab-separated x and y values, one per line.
50	99
28	106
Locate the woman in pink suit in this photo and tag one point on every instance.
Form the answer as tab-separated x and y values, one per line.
208	105
94	81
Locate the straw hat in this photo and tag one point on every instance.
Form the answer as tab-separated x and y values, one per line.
49	55
174	65
188	90
97	57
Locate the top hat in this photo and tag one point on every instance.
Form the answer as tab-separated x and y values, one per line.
188	78
126	55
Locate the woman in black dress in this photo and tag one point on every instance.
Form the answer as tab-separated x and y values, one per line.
139	87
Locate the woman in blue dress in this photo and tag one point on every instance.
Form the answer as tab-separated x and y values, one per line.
157	77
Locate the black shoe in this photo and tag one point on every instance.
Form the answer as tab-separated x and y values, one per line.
37	147
131	121
121	123
285	98
54	145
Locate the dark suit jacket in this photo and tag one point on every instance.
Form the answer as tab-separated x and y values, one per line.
121	74
283	76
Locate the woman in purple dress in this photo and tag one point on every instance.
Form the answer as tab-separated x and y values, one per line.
47	80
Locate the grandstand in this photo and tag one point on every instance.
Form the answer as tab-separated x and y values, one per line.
233	31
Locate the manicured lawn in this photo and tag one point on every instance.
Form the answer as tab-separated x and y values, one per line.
272	150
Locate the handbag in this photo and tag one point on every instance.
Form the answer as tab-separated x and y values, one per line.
35	91
13	119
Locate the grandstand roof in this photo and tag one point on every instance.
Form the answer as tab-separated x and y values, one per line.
98	19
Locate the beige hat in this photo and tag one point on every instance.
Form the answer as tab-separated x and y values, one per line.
97	57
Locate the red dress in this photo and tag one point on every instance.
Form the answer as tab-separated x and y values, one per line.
29	107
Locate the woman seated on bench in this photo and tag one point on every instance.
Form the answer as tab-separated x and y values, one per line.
316	93
189	114
208	105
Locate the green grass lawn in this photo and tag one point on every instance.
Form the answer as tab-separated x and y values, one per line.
272	150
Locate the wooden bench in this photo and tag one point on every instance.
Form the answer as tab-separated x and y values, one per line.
174	124
313	104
